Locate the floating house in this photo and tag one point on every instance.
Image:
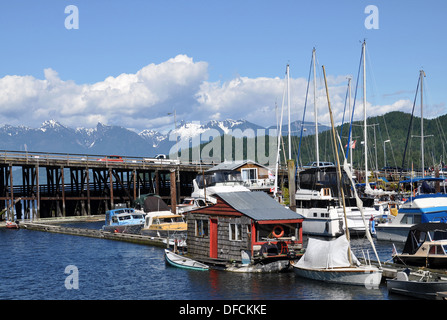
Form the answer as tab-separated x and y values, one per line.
245	231
254	175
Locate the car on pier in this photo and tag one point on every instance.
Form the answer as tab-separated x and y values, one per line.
161	159
112	159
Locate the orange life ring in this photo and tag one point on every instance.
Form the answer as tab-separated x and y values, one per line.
276	235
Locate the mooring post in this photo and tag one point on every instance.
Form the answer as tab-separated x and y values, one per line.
112	205
63	190
291	175
173	183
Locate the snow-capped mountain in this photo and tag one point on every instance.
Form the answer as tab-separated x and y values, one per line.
54	137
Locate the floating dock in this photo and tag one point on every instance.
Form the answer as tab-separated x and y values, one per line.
95	233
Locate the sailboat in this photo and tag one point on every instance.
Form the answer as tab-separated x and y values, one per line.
333	261
317	195
425	205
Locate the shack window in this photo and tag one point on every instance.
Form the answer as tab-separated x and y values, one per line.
201	228
235	232
266	231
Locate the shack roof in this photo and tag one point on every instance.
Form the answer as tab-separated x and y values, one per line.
259	206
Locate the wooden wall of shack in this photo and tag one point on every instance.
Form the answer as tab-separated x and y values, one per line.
227	249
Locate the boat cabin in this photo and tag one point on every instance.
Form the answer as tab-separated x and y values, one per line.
426	246
252	174
243	225
123	216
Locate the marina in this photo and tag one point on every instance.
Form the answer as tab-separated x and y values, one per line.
141	260
141	265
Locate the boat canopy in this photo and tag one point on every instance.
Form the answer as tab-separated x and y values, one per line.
323	254
419	232
154	203
419	179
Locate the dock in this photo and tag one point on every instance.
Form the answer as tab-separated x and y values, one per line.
94	233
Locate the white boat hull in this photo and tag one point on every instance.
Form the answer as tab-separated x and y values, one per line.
367	276
324	222
395	233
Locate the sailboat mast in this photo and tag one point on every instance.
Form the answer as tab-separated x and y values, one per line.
350	134
288	104
338	168
278	157
364	112
316	110
422	74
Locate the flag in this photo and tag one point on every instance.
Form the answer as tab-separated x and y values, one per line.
352	144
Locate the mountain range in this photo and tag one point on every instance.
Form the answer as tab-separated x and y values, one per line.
54	137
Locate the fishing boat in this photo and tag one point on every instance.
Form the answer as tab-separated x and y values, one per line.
421	284
333	261
181	261
426	246
123	220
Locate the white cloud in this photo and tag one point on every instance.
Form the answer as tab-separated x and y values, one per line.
142	100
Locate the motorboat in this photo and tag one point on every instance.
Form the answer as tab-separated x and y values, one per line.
317	199
426	246
217	180
191	203
123	220
161	222
421	207
421	284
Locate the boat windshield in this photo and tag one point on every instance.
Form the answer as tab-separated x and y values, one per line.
224	177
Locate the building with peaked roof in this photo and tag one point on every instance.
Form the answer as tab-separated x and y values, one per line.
244	223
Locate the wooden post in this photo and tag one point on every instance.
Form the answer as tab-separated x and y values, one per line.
134	172
63	191
11	188
112	205
291	175
157	183
173	191
37	191
87	172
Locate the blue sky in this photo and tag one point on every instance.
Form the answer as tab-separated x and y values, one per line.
210	59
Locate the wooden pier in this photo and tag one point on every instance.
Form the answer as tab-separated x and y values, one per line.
95	233
61	185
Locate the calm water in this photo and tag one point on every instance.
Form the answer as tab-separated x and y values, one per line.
33	267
